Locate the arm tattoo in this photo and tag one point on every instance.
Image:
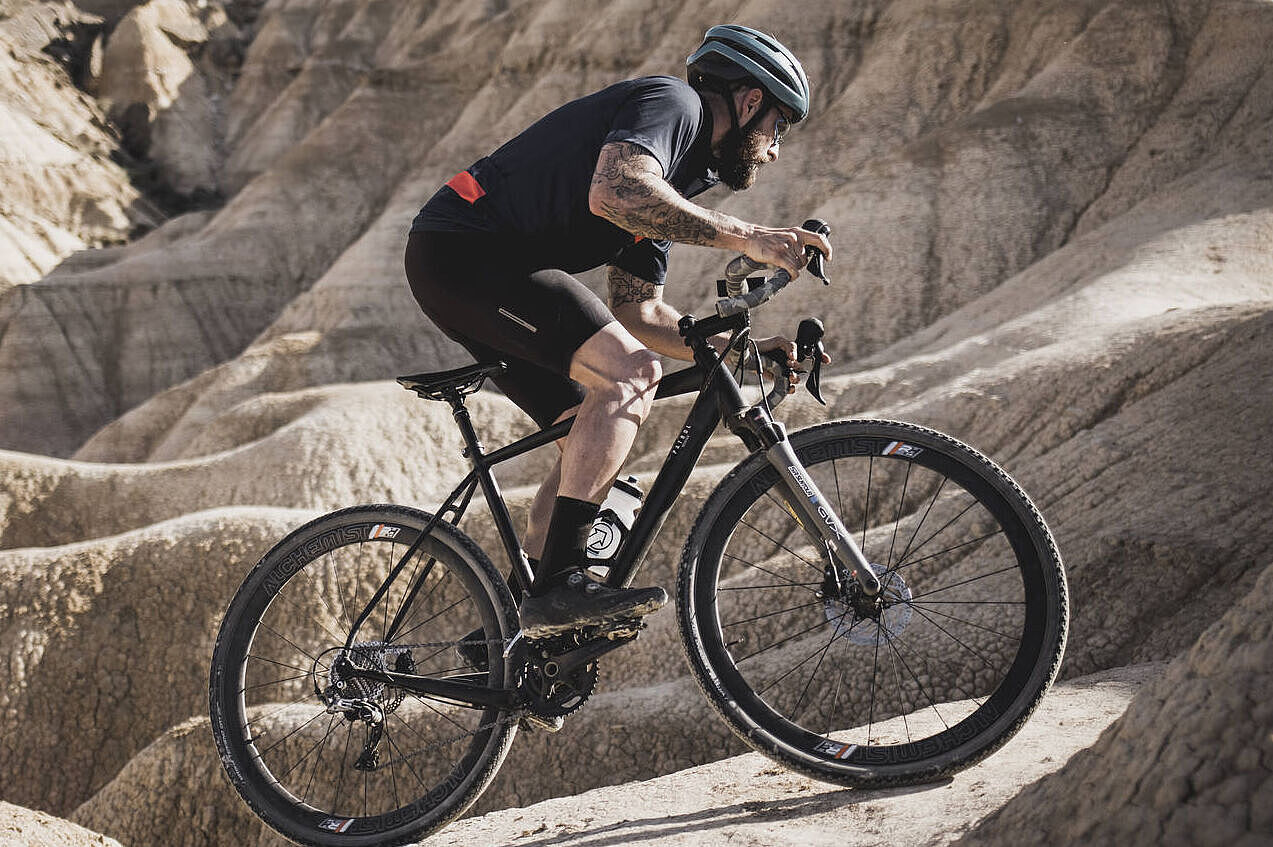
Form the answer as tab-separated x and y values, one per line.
626	288
633	195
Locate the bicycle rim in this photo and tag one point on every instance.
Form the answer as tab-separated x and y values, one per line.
967	637
390	763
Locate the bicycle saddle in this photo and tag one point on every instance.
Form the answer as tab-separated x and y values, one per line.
466	380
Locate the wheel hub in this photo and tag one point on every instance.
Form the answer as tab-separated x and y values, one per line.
866	620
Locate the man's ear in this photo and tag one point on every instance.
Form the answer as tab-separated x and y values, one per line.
749	103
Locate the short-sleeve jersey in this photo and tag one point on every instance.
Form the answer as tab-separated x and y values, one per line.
537	184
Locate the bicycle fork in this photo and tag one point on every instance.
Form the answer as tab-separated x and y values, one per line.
811	508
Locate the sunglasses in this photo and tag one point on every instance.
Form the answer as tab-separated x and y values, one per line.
780	128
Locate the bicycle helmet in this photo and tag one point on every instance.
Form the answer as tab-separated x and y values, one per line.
730	53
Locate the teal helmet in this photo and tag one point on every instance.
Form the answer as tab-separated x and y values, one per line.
731	53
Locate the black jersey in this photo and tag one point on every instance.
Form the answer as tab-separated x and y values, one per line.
536	186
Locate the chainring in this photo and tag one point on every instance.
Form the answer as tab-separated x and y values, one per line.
555	693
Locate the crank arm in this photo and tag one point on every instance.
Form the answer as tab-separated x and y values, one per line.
819	519
589	652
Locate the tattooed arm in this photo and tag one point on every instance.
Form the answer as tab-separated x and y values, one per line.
628	189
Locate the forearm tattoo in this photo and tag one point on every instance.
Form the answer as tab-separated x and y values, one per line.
634	196
626	288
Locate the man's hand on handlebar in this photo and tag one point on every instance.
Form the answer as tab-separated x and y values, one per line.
784	247
775	345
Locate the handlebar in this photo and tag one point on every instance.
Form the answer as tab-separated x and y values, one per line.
742	298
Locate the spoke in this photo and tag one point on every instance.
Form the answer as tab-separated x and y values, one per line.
902	705
437	712
924	606
248	688
777	576
950	549
779	544
276	662
283	595
901	502
403	635
778	643
875	670
771	614
834	637
943	528
795	712
956	639
295	730
309	786
344	757
907	549
411	584
280	710
967	582
406	760
281	637
393	776
347	620
314	588
892	644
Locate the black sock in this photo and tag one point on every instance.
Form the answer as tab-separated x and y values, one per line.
567	542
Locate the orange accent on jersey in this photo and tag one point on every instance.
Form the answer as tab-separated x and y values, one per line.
467	187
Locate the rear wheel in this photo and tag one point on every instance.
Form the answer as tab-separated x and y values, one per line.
938	671
330	758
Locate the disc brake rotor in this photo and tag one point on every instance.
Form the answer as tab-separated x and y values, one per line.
890	617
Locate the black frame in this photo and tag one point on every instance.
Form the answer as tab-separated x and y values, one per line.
719	397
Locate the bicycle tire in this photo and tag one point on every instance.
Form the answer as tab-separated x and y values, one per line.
291	759
970	639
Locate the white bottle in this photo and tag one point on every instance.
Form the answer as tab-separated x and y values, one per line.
613	523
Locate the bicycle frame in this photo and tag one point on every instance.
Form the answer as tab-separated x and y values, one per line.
719	398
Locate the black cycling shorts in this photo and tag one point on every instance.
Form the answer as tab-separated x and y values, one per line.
484	291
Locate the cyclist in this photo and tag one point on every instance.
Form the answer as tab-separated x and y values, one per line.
605	179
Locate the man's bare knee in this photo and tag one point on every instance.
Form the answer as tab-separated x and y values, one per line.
627	383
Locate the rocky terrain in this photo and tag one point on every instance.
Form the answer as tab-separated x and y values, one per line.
1053	225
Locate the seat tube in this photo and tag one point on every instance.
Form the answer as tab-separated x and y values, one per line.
494	498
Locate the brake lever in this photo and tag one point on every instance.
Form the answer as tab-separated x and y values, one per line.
816	263
809	344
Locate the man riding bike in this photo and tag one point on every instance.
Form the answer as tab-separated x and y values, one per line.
605	179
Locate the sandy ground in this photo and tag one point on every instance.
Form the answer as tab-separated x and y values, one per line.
749	800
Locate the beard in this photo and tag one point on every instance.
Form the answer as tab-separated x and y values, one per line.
736	164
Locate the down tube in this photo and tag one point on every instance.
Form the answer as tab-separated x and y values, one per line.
680	461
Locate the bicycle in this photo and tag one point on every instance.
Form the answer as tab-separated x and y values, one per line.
346	713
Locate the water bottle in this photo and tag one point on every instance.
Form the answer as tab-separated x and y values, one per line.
614	521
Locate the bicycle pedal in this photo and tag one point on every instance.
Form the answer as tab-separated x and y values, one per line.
532	722
615	630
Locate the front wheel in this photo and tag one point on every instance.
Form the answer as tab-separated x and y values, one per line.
328	757
931	676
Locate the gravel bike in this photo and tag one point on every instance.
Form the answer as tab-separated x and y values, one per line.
868	602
